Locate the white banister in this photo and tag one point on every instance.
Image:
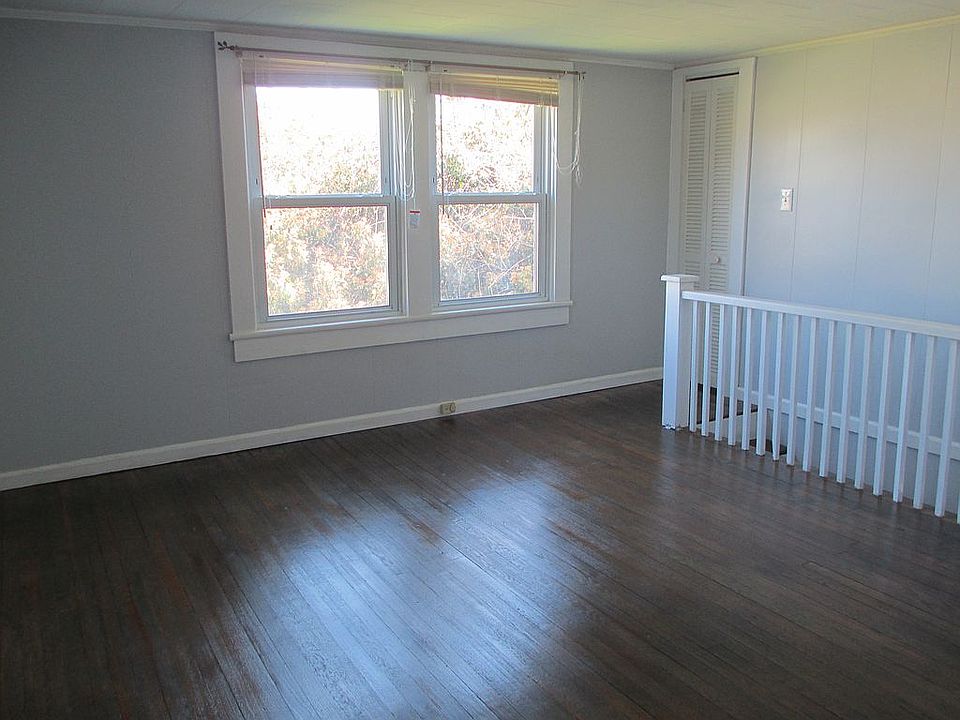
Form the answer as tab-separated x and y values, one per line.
844	435
811	396
721	368
925	415
828	398
792	398
734	373
777	387
676	345
920	327
705	364
946	435
864	404
735	364
694	344
747	366
904	418
879	463
762	386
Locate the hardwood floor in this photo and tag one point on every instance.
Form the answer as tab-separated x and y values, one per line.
559	559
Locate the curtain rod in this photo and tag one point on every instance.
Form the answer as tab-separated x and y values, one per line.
224	45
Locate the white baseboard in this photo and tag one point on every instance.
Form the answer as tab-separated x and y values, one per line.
262	438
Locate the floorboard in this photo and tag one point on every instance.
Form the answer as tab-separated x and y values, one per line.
561	559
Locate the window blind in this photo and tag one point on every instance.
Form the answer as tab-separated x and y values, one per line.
510	85
290	70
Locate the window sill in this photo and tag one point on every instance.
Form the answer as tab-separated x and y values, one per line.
445	323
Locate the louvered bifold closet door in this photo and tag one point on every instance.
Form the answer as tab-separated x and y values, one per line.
694	188
707	187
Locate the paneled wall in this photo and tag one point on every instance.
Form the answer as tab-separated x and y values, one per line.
868	132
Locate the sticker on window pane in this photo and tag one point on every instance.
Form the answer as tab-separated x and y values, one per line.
488	250
484	146
319	141
326	258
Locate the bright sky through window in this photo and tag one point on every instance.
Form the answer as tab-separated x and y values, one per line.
319	141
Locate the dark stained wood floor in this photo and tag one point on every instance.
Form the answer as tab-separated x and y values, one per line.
560	559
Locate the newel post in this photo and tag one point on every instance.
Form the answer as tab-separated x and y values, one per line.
676	351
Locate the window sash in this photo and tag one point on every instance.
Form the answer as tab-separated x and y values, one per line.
544	186
260	266
541	258
387	198
391	163
543	139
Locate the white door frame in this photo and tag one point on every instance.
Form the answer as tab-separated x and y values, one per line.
746	69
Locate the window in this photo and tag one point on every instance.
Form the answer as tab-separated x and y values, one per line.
373	201
490	198
325	239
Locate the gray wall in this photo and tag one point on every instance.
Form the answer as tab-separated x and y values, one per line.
868	132
113	280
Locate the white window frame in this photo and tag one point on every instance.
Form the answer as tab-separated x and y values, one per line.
415	312
386	198
540	196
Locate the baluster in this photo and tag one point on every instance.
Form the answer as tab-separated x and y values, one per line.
880	461
762	362
920	479
864	425
777	377
904	418
694	339
721	352
676	342
747	369
705	390
734	372
844	436
946	436
811	389
827	431
792	404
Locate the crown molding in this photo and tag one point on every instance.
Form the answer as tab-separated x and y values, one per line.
302	33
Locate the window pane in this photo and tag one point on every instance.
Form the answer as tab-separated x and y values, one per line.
319	141
484	145
488	250
327	258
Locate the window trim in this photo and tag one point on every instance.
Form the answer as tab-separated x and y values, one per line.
413	316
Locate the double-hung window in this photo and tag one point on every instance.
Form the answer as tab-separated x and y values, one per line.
493	136
375	200
324	208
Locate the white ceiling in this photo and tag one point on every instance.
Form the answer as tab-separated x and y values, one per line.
673	31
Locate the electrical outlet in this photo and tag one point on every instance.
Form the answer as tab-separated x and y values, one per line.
448	408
